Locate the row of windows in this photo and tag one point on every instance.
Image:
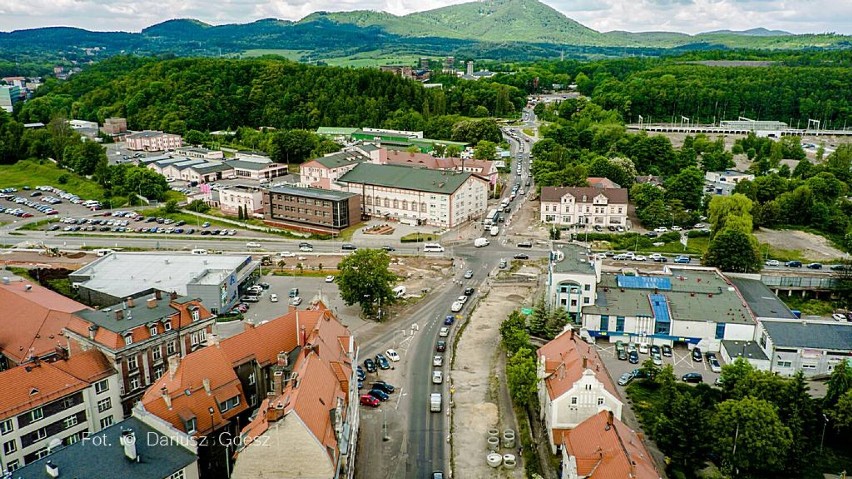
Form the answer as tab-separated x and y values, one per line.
306	201
397	204
303	211
574	401
599	210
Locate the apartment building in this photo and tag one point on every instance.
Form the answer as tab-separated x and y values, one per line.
138	335
311	209
584	206
324	172
49	405
115	126
148	140
234	198
404	193
9	95
484	168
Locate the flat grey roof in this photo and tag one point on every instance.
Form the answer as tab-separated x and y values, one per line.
747	349
762	301
312	192
576	260
159	456
140	314
125	274
829	335
252	165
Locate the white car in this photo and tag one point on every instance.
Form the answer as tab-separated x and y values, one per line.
643	348
661	229
273	298
444	332
640	258
437	377
392	355
462	299
657	359
252	245
438	361
296	301
676	228
285	254
838	317
306	248
456	307
329	279
773	262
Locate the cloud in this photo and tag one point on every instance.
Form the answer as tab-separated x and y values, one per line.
688	16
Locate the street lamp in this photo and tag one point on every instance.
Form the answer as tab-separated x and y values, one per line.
822	439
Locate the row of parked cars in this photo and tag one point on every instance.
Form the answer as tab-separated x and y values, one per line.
379	390
774	263
630	352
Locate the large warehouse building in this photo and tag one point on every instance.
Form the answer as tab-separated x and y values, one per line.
218	280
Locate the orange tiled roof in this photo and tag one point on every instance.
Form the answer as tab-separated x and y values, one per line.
613	452
564	364
263	343
32	320
34	384
209	363
89	366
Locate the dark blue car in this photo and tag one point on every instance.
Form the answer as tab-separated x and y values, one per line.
450	319
379	394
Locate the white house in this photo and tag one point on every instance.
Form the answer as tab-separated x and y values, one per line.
584	206
572	279
234	197
573	385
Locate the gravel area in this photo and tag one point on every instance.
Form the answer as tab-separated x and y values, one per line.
813	247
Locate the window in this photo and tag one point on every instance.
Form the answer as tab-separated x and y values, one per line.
128	340
41	453
193	340
36	414
101	386
134	384
153	329
229	404
191	425
12	465
157	353
574	400
177	475
6	427
600	401
104	405
70	421
158	372
808	366
785	364
72	439
170	348
619	323
604	323
251	378
253	400
196	315
587	287
106	422
132	363
167	325
10	447
40	434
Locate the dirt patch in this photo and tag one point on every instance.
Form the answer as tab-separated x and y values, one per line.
481	399
812	246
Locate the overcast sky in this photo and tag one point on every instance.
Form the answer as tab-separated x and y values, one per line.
688	16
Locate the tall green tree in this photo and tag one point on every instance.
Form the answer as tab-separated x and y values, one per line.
485	150
686	186
521	377
681	431
734	251
748	436
366	279
722	208
839	382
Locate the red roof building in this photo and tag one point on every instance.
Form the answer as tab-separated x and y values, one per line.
573	385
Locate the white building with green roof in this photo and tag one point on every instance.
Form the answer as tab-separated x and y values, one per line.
433	197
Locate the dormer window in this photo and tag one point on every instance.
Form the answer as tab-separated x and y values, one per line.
128	339
167	325
191	425
195	314
153	329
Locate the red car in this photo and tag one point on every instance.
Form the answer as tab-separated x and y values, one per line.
367	400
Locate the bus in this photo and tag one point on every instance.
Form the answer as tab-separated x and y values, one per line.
491	218
433	248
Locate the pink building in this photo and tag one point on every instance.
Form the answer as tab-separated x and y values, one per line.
484	168
153	141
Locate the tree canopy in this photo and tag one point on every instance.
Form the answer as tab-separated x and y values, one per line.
365	279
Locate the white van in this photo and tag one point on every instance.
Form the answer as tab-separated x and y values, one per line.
399	291
495	230
433	248
481	242
199	251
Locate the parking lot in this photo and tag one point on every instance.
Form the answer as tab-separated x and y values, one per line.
681	360
42	202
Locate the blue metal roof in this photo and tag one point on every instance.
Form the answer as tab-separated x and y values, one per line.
660	306
662	283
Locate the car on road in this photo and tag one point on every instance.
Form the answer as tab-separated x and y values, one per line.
468	291
696	355
503	263
468	274
682	259
525	244
296	301
361	374
437	475
450	319
273	298
667	350
329	279
625	379
773	263
368	400
370	365
388	248
793	264
287	254
438	360
437	377
392	355
633	357
456	307
348	247
640	258
306	247
522	256
814	266
252	244
661	229
379	394
384	386
692	378
444	332
441	346
382	361
676	228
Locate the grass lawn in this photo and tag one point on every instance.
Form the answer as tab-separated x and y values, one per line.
34	173
294	55
808	306
418	238
37	225
190	219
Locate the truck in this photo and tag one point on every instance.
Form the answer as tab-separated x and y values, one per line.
480	242
495	230
435	402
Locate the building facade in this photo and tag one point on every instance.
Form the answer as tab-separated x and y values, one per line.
153	141
312	208
812	347
584	206
572	279
484	168
438	198
138	339
9	95
115	126
234	198
49	405
324	172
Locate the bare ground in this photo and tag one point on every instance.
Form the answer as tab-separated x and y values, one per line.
482	402
812	246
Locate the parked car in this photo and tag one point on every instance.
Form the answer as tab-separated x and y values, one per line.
379	394
438	361
370	365
450	319
633	357
392	355
361	374
696	355
667	350
468	291
625	379
444	332
643	348
382	361
714	365
655	357
384	386
273	298
368	400
655	349
441	346
296	301
793	264
437	377
525	244
692	378
522	256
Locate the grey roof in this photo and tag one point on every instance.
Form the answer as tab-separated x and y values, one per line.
761	299
140	314
341	158
830	335
252	165
575	260
406	177
159	456
148	134
126	274
555	193
312	193
212	167
748	349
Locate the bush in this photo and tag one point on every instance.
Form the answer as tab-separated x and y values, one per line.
697	234
63	179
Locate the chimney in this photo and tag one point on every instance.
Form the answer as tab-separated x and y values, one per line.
277	382
283	359
166	397
571	337
174	362
130	302
128	440
92	330
609	417
206	382
152	303
158	294
173	295
119	314
212	340
585	362
52	469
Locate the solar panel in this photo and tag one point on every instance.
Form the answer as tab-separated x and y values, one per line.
661	283
660	307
